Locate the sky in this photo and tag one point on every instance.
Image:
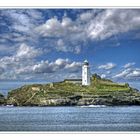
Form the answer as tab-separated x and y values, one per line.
51	44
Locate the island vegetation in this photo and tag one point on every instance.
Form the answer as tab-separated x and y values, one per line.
100	92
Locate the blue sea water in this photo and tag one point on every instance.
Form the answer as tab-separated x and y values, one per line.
70	118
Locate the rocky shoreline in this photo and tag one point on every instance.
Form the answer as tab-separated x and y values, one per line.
82	101
89	100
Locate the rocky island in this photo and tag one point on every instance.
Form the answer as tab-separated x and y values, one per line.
100	92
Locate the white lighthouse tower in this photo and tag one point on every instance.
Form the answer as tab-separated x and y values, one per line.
85	73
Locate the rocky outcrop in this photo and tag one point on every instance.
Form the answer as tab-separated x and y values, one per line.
82	100
2	100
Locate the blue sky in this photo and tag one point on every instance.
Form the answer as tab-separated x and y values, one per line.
51	44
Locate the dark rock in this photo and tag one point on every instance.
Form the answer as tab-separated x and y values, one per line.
2	100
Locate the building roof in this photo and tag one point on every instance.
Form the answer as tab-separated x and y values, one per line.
73	80
86	62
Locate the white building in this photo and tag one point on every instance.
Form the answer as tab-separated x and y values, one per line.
85	76
85	73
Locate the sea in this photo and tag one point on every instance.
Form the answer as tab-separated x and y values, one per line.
73	119
78	118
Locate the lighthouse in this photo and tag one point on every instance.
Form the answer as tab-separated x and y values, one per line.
85	73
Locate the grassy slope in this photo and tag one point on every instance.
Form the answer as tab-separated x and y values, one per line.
37	92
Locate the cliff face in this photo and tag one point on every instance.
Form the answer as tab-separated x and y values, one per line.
100	92
2	100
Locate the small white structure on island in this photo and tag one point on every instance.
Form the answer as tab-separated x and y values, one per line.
85	80
85	73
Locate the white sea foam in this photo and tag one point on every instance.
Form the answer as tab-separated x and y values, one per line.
90	106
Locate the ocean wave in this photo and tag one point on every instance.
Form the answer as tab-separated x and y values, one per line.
93	106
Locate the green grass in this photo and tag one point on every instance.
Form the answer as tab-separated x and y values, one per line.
98	87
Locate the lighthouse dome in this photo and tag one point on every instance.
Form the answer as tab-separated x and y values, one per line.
86	62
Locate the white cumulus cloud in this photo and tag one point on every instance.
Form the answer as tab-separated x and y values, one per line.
107	66
112	22
129	65
26	51
56	66
129	74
